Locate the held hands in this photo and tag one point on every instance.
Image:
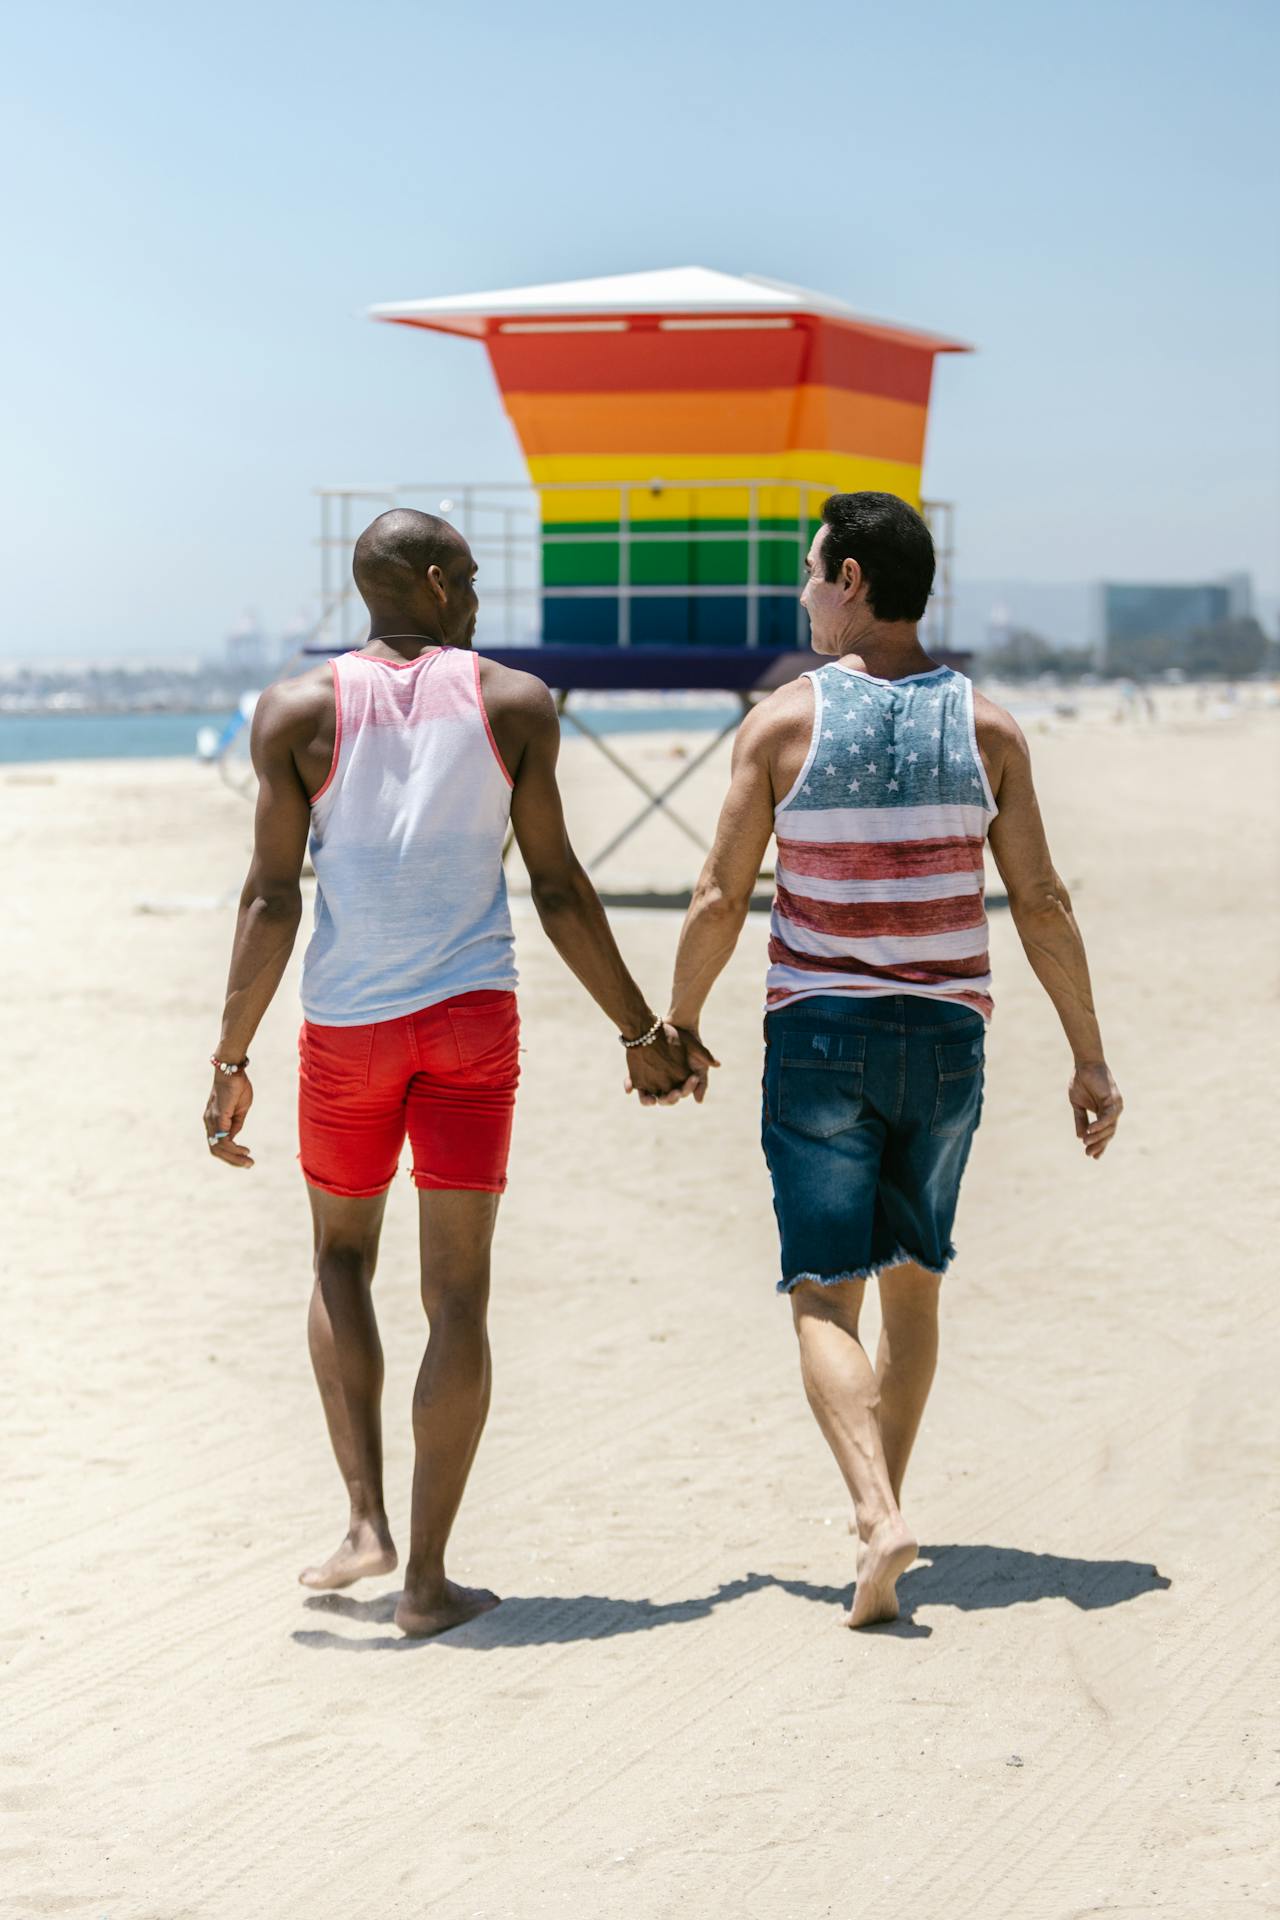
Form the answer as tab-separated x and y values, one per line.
225	1113
672	1065
1093	1091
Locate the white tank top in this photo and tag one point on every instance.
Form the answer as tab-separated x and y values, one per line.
406	841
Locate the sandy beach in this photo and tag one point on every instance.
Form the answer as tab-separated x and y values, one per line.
1076	1714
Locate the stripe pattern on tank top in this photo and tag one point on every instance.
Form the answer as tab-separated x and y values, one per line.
880	846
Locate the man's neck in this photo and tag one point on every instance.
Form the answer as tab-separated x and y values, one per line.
403	639
886	649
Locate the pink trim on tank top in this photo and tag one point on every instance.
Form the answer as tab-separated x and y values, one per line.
484	715
337	734
398	666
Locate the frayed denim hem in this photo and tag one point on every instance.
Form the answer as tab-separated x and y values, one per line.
895	1259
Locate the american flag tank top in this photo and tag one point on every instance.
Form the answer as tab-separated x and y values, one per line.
880	845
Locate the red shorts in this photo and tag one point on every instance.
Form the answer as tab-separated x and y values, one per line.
445	1076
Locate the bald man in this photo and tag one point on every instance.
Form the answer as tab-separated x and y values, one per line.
402	764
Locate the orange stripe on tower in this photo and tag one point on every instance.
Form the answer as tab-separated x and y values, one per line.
726	420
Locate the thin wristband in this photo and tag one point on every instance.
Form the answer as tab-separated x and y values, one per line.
228	1066
644	1040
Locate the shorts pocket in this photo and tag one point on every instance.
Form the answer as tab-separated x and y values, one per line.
487	1034
820	1077
959	1100
336	1060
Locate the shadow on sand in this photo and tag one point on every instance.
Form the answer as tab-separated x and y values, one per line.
970	1578
548	1619
977	1577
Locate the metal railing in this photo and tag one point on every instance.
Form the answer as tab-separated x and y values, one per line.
502	521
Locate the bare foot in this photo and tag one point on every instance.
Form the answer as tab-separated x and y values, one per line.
882	1559
367	1549
445	1606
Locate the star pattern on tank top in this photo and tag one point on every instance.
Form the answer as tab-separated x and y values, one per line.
894	745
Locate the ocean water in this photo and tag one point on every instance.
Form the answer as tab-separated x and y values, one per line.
170	736
102	736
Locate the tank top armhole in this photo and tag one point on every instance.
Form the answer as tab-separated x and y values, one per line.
812	675
484	715
987	794
337	734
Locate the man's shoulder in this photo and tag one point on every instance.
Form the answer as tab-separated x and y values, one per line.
293	706
1001	741
778	716
517	690
993	720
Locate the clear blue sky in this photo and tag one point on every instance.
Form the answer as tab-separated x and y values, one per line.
204	200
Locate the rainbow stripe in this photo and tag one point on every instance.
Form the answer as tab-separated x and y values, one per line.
683	427
621	424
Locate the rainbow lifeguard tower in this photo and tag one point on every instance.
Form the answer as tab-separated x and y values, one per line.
681	430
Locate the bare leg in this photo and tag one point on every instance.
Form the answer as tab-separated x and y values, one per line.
450	1401
346	1354
905	1360
842	1391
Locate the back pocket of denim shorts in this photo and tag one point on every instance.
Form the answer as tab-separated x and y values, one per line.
820	1081
959	1085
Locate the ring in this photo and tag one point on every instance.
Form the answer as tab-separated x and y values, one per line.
215	1137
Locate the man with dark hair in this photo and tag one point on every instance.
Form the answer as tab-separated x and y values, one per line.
891	545
882	775
402	764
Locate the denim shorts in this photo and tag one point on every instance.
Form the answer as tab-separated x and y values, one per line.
870	1108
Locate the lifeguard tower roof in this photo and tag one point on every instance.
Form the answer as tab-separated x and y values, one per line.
667	292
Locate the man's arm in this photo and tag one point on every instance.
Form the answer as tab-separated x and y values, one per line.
570	911
722	897
1041	910
270	909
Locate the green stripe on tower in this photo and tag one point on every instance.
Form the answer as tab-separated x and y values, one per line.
691	561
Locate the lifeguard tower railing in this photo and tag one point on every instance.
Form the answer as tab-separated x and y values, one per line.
645	577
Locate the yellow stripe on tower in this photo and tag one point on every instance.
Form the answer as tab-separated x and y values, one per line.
576	487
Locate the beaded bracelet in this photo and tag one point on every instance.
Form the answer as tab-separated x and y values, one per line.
645	1038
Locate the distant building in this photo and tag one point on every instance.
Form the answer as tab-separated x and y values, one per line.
295	637
1239	588
1133	612
999	626
246	648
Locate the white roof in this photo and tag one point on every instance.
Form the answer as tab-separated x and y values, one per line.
668	290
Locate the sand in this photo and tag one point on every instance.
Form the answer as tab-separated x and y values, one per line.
666	1716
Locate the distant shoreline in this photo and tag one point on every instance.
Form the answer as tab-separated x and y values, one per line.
170	733
107	735
110	713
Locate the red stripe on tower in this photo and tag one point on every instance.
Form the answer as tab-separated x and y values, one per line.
647	358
